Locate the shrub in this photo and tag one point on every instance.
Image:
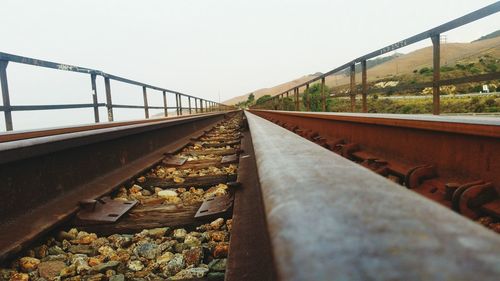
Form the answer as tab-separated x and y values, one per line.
491	67
490	102
425	70
446	68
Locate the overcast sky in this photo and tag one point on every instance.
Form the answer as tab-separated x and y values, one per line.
203	48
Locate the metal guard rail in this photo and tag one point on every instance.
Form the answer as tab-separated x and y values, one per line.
433	33
200	105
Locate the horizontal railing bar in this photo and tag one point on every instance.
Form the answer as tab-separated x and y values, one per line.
50	107
128	106
47	64
473	16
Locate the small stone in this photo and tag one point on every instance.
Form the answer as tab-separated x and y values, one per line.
141	274
145	192
170	196
83	249
95	277
105	266
81	263
118	277
190	273
56	250
135	265
19	277
192	241
218	265
229	224
193	256
135	189
179	233
147	250
106	251
215	276
61	257
174	265
99	242
219	236
110	272
180	247
84	238
28	264
121	256
217	224
157	232
93	261
165	258
167	245
41	252
68	271
141	179
50	269
221	250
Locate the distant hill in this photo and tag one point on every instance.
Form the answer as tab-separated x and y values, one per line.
399	65
489	36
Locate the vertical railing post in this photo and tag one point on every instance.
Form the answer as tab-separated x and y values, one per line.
436	58
5	95
109	103
94	97
308	99
180	104
165	107
323	98
353	87
189	103
146	107
201	105
195	105
297	105
364	89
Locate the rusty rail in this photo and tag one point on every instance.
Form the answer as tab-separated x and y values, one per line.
277	101
330	219
453	161
200	104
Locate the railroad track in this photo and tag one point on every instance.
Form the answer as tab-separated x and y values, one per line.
171	221
228	196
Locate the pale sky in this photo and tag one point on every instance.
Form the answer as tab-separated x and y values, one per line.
203	48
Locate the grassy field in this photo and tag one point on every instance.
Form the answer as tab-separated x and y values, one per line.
451	105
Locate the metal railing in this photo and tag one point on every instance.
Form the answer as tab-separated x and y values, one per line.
200	105
277	101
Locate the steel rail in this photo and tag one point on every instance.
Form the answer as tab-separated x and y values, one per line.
331	219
